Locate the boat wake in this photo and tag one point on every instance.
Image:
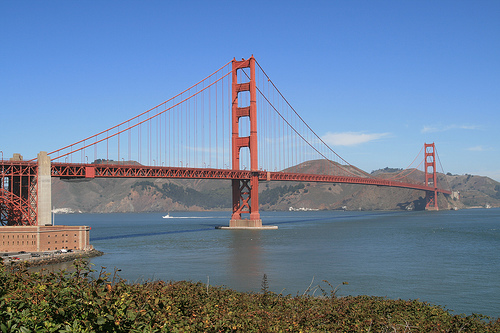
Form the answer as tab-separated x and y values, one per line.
189	217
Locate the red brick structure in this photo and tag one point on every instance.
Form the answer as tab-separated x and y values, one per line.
44	238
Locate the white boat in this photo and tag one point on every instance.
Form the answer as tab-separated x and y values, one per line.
167	216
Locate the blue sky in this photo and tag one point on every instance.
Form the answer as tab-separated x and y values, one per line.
375	79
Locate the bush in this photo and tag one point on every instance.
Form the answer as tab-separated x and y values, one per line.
84	301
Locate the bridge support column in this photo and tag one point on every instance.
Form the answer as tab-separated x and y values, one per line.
245	191
44	190
430	176
18	192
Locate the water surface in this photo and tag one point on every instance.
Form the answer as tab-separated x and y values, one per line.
448	258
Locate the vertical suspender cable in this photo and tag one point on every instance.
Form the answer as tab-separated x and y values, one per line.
118	145
216	127
209	125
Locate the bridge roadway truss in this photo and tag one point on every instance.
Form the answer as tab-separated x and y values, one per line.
18	194
73	171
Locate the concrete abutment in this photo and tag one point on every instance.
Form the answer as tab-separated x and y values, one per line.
44	194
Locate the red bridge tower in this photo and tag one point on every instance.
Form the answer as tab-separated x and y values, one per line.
245	191
430	176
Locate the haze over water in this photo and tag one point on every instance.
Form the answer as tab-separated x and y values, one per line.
448	258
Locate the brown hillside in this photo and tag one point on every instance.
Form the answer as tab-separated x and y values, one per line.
160	195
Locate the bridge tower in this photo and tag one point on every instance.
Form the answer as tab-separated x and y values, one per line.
245	191
430	176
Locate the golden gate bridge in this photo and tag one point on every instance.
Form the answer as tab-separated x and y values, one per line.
234	124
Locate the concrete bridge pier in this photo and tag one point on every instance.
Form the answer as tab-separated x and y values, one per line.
44	190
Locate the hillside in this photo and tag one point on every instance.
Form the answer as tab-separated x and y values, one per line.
162	195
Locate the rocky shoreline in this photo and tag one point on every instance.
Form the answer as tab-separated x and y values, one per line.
48	258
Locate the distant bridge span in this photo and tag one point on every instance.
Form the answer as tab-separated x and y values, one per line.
75	171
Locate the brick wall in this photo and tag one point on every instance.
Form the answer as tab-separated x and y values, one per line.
43	238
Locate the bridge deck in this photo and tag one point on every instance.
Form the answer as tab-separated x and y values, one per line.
68	170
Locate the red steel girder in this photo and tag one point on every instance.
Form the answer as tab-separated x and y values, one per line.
18	168
282	176
18	193
15	210
67	170
244	195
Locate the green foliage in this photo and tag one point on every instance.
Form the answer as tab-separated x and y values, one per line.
264	284
387	169
219	198
144	185
84	301
271	196
497	191
104	161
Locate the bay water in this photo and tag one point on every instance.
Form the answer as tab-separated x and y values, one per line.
446	258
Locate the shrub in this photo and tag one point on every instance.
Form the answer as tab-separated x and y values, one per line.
84	301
